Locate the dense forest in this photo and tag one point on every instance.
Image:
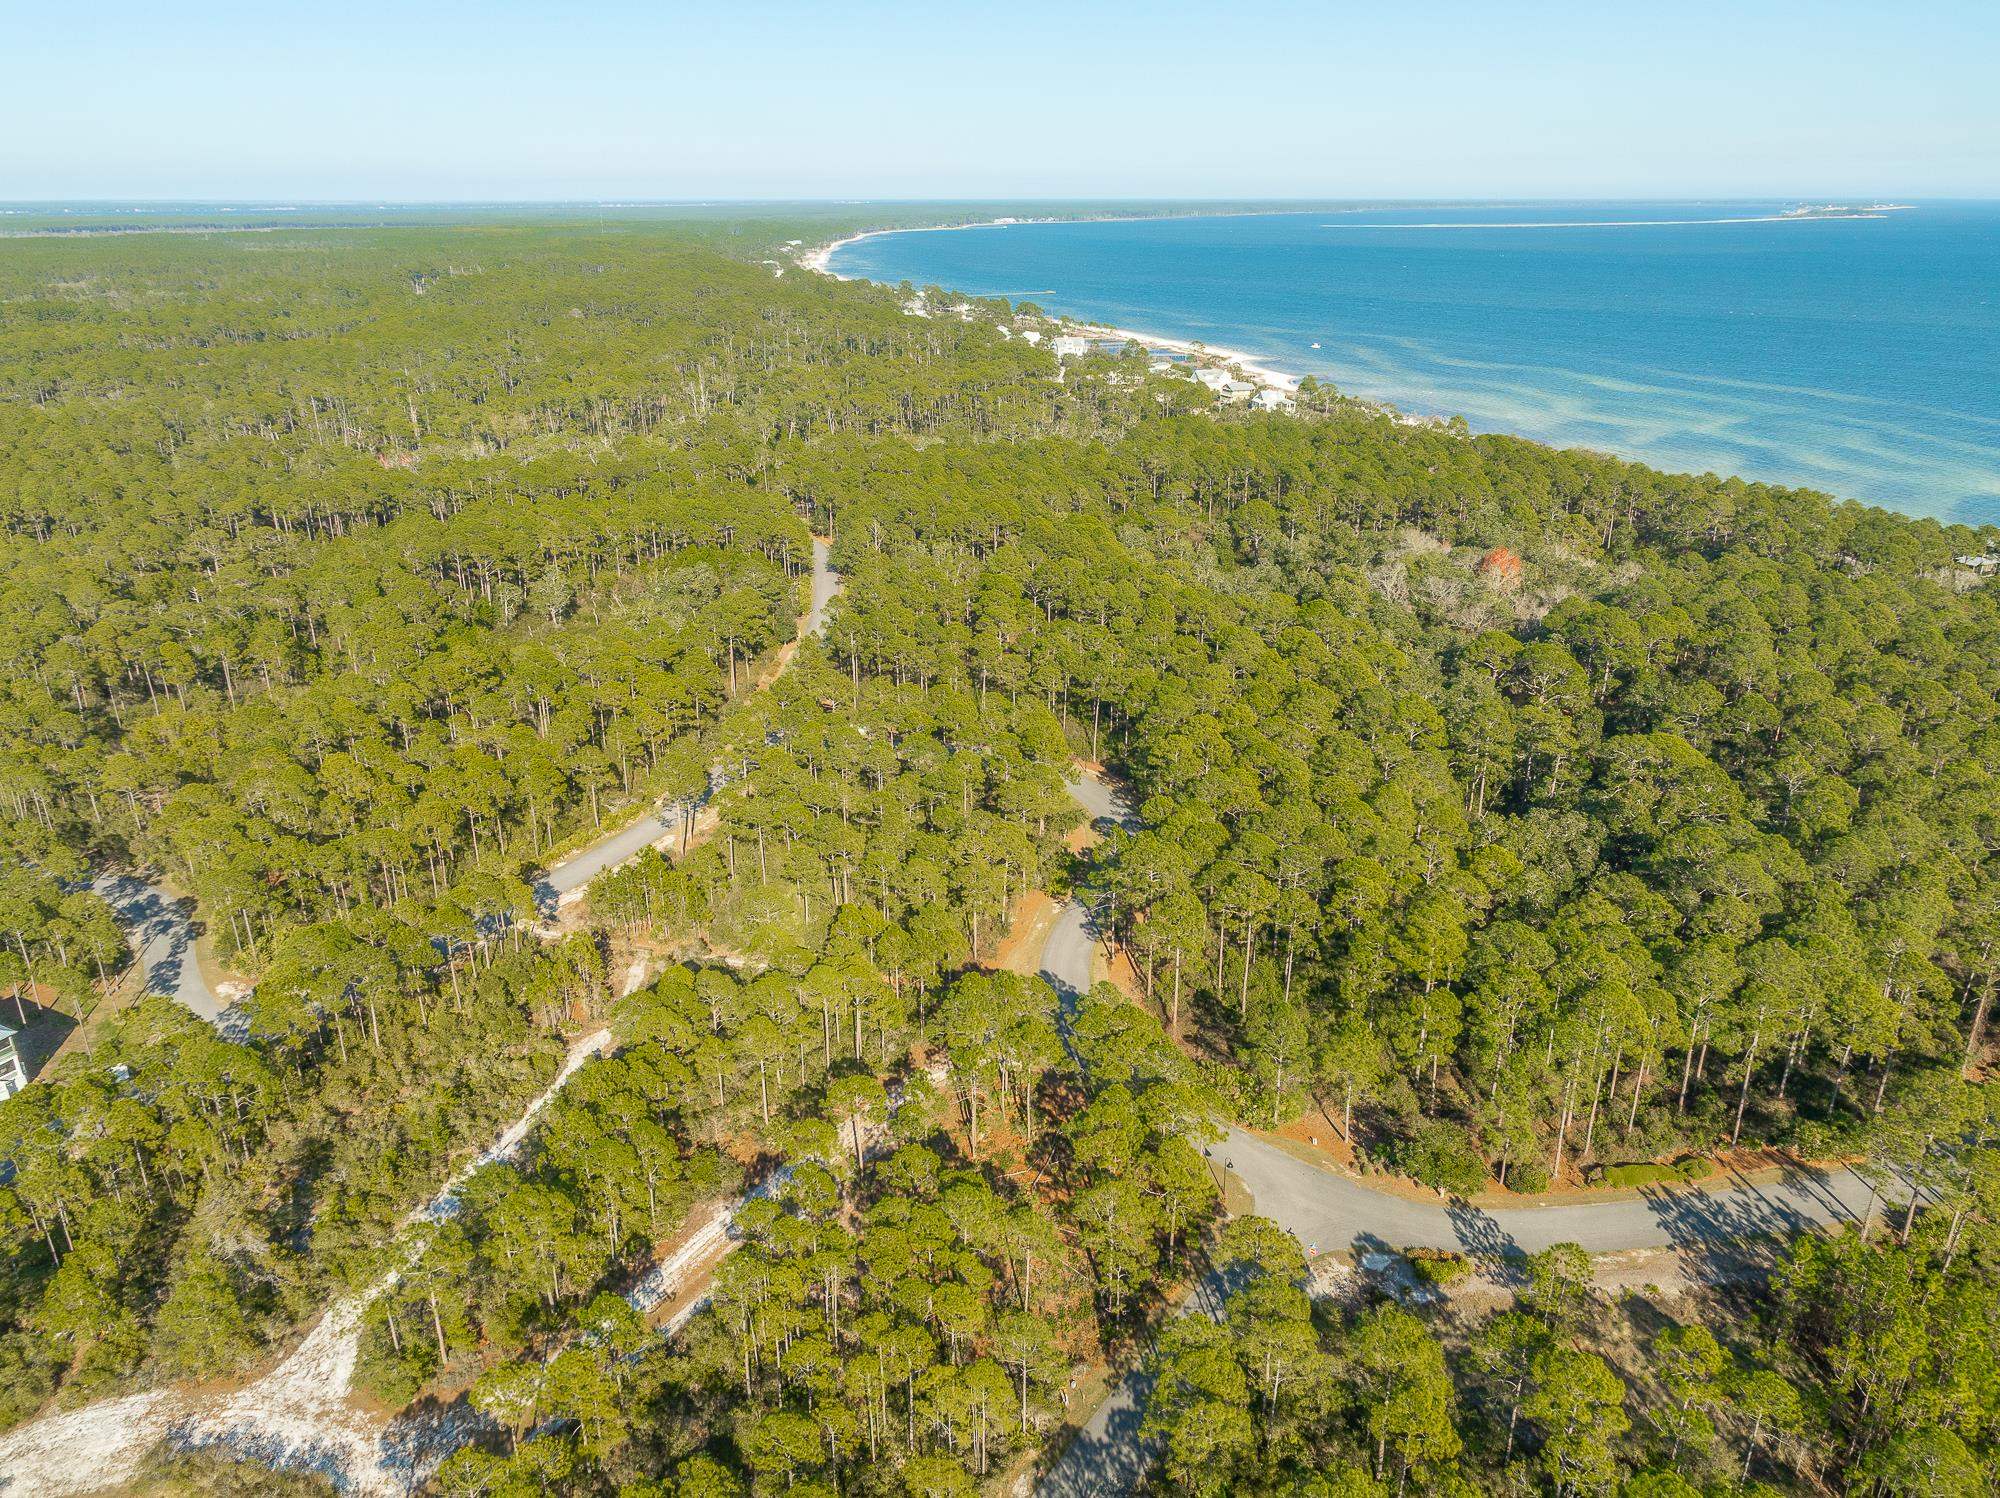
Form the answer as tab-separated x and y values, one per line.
1529	819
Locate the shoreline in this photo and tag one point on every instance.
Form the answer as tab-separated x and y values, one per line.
820	257
1963	500
1252	367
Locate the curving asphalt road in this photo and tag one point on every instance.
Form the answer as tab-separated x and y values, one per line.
161	930
563	881
1101	801
1326	1211
162	937
1067	950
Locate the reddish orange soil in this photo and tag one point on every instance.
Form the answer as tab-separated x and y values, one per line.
1117	969
1320	1130
1028	923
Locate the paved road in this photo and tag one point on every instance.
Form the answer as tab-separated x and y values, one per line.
1067	949
1326	1210
1329	1211
825	584
161	931
162	936
627	842
567	878
1099	799
1107	1454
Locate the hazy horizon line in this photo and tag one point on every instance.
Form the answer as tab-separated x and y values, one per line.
852	200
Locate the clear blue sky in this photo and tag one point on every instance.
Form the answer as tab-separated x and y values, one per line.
769	98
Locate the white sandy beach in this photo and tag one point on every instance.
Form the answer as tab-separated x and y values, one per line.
1250	366
821	259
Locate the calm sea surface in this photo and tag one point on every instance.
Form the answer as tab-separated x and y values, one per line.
1858	356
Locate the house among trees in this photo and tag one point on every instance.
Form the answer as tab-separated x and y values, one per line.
1226	385
13	1075
1691	848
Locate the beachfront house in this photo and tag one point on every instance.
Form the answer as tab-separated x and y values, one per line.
1981	564
1031	335
1237	391
1215	379
13	1075
1070	347
1269	399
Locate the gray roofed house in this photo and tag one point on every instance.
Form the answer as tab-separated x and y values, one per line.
13	1075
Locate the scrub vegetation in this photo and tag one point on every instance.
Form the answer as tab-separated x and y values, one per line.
1529	817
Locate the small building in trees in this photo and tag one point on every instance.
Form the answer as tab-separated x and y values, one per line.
13	1075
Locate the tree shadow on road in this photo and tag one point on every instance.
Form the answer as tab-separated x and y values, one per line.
1114	1459
151	918
1730	1237
1486	1243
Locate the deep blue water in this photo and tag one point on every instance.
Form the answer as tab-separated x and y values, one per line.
1858	356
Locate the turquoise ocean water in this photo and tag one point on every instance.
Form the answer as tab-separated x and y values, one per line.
1859	356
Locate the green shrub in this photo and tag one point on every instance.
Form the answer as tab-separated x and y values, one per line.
1652	1173
1442	1156
1637	1173
1438	1266
30	1364
204	1327
395	1375
1528	1177
212	1473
